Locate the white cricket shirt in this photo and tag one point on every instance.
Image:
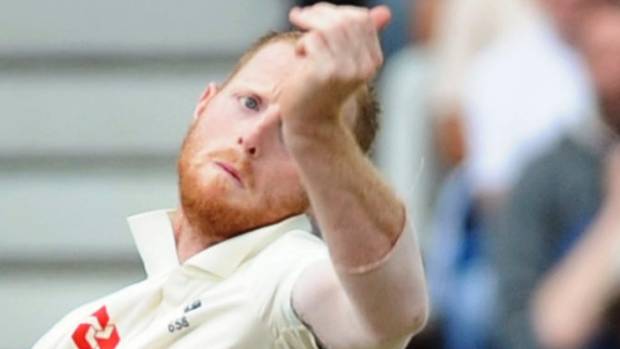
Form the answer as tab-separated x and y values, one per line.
235	294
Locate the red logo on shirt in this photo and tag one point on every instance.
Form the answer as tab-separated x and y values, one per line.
96	332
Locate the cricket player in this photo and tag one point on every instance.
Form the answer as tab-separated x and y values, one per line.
284	138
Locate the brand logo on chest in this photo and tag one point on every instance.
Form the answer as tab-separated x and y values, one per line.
96	332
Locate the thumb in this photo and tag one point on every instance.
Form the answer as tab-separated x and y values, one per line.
380	16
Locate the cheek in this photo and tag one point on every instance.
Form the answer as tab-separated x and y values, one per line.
211	128
218	117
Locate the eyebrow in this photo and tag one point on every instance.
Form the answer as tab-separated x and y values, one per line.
260	90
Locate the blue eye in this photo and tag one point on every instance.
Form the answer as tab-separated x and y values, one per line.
250	103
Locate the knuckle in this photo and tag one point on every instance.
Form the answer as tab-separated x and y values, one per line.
363	17
355	16
358	18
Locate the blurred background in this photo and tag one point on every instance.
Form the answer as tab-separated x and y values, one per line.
499	131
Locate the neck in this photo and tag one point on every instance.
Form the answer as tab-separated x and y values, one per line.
189	240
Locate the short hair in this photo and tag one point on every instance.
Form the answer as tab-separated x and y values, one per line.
367	119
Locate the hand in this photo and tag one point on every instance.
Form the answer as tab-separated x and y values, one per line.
339	52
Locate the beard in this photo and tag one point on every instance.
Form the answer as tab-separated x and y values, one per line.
217	207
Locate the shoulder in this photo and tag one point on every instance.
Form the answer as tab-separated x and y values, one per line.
304	242
270	278
292	251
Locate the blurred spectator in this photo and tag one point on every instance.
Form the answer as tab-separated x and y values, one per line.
464	28
571	304
523	91
460	275
406	118
556	199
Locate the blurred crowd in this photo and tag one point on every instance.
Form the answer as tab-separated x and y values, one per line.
499	131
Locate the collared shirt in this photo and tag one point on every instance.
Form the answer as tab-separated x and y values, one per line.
235	294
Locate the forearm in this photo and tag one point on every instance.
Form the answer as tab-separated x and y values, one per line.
376	284
361	220
571	301
359	215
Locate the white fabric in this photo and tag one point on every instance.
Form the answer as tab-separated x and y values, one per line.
240	290
522	94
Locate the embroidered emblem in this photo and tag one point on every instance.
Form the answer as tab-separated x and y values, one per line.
96	332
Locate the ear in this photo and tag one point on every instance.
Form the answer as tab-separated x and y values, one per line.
207	94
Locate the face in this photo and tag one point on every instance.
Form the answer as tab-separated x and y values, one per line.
235	172
601	48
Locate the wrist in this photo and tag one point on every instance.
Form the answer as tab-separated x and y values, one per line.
328	134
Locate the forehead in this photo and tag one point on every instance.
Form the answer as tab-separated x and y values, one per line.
269	65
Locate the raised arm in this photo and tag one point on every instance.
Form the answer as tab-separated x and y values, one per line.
373	292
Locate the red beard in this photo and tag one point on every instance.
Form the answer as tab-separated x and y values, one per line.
213	204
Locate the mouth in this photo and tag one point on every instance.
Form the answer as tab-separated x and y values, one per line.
230	170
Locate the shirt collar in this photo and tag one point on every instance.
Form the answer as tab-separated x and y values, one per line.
154	238
225	257
153	234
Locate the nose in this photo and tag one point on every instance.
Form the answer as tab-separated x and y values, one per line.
248	147
260	133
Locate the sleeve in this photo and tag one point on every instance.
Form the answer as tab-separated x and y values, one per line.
272	291
292	332
362	307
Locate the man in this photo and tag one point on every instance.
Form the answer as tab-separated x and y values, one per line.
234	266
572	303
553	297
